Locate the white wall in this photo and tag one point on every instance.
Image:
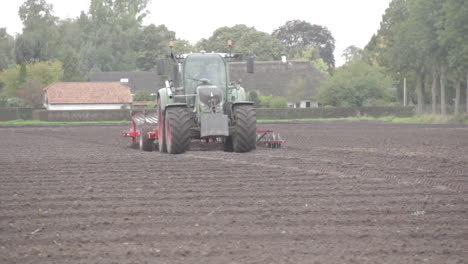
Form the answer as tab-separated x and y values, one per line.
303	104
87	106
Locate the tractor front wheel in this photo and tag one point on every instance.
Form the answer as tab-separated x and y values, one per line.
161	130
244	138
178	122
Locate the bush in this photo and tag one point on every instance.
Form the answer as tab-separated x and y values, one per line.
144	95
272	101
356	84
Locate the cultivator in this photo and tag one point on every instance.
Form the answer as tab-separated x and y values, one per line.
149	118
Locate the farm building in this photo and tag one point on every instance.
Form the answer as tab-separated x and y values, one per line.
137	81
87	96
298	81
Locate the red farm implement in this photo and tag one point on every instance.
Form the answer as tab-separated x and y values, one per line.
144	133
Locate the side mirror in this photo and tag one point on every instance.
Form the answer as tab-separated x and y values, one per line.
160	67
250	64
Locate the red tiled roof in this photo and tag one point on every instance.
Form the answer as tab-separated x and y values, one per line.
88	93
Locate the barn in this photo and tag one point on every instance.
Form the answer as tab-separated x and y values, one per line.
87	96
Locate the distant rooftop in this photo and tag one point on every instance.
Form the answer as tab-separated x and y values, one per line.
88	93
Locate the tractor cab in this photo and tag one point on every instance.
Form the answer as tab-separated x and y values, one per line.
204	75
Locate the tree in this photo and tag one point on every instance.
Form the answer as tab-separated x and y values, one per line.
453	35
296	35
352	53
311	54
111	31
45	72
31	93
154	44
355	84
7	44
71	68
182	46
40	36
247	41
10	78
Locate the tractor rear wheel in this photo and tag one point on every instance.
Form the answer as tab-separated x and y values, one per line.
245	137
145	143
177	126
161	130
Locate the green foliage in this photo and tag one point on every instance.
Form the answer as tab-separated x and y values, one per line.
23	73
296	35
40	33
144	95
247	41
253	96
31	93
7	45
271	101
154	44
71	70
455	34
111	32
320	65
311	54
352	53
182	46
422	39
11	80
355	84
46	73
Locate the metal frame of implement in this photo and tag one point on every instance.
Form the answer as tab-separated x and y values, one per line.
266	138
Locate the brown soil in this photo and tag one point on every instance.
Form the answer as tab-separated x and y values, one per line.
337	192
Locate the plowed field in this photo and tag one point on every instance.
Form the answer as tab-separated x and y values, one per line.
337	192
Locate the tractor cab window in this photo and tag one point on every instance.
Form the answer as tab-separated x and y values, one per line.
206	69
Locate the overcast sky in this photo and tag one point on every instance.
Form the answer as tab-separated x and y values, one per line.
351	22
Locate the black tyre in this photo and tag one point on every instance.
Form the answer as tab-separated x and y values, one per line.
244	138
227	143
161	130
178	122
145	143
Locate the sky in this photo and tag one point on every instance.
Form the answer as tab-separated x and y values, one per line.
351	22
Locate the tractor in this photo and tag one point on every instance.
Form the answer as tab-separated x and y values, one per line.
200	103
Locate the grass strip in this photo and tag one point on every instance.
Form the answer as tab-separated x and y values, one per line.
416	119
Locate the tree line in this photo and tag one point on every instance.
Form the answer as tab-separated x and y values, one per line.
420	42
425	42
111	36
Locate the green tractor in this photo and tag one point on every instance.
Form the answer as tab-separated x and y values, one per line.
201	102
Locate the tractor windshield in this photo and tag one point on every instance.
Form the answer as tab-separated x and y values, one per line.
204	69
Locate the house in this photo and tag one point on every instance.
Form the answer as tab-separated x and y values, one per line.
87	96
303	104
